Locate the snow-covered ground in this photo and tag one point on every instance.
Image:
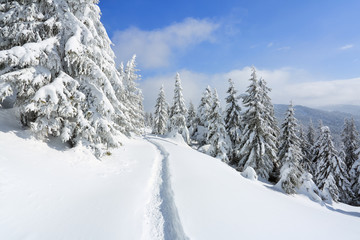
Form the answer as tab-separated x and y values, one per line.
151	188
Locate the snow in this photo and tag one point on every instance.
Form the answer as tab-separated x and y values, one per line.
250	174
150	188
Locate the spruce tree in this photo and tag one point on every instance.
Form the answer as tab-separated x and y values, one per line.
331	175
350	142
161	115
269	113
311	133
232	120
355	181
290	154
133	96
55	57
190	119
217	137
202	117
178	111
306	162
258	144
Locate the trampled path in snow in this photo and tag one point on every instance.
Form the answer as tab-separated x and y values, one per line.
162	220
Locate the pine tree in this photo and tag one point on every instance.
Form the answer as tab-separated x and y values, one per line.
217	138
258	144
178	111
202	118
350	141
269	114
306	162
190	119
290	154
161	115
133	95
355	181
232	120
57	59
316	147
311	133
331	174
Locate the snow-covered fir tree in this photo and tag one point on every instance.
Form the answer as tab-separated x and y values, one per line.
191	119
290	154
232	120
331	174
311	133
306	162
350	142
133	95
269	113
217	137
258	144
355	181
178	111
55	57
161	114
202	117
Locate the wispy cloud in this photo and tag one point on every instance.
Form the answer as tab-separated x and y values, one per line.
346	47
270	44
155	48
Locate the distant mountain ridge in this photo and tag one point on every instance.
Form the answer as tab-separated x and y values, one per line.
346	108
333	118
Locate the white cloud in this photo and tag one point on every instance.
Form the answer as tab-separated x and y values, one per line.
346	47
155	48
270	44
286	84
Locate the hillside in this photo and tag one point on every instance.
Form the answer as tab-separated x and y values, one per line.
151	188
333	119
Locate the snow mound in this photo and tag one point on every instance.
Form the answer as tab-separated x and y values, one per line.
176	138
250	174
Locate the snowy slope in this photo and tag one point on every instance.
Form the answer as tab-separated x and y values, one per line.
216	202
151	188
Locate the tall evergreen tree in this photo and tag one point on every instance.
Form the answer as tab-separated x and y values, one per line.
311	133
178	111
355	181
217	138
350	141
306	162
202	117
290	154
258	144
269	113
331	175
57	60
133	95
191	119
232	120
161	115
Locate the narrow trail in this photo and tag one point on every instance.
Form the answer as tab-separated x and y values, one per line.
162	220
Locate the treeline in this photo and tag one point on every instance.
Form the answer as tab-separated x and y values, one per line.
295	159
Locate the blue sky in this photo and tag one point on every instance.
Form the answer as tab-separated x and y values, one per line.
308	45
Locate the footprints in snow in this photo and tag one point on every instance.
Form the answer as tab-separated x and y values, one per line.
162	220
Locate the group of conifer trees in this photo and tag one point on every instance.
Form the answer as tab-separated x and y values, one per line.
296	161
57	63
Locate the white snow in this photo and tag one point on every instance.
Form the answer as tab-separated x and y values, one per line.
150	188
250	174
